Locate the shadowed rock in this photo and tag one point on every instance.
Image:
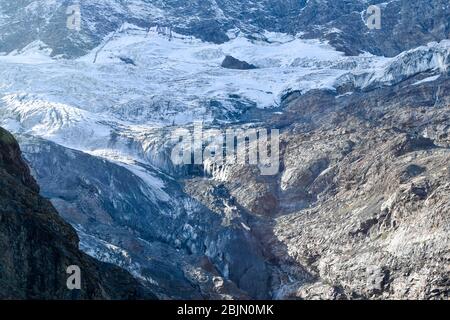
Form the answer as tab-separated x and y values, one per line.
233	63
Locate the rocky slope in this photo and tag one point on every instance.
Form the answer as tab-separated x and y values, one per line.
377	225
37	246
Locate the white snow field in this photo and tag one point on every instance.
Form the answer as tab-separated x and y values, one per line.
142	80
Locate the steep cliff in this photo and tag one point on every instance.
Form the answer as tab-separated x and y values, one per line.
37	246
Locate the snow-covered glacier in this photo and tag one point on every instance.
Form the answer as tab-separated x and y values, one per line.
138	80
103	122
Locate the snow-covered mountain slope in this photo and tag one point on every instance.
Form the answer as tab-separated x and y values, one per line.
142	81
209	20
103	122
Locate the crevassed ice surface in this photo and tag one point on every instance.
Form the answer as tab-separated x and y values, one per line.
143	80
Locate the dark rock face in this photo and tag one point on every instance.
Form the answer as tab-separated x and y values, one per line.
232	63
359	209
37	246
